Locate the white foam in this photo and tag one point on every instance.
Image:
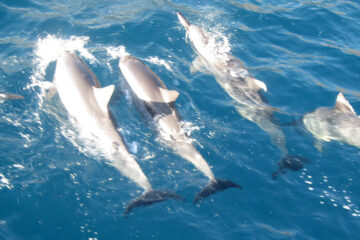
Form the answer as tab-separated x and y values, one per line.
161	62
188	127
49	49
218	47
216	50
117	52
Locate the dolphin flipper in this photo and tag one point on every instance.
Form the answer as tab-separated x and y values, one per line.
215	185
151	197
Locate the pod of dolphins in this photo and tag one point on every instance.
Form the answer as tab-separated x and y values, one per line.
87	102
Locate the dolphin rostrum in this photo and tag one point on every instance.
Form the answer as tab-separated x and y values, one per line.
153	97
4	96
87	102
236	81
339	123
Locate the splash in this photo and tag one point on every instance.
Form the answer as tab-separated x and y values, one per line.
161	62
214	46
49	49
120	51
117	52
188	127
219	45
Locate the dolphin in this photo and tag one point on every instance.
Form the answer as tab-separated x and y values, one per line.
4	96
236	81
339	123
85	100
153	98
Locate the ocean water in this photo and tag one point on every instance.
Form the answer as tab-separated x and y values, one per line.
55	186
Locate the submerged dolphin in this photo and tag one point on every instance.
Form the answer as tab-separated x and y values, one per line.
236	81
292	163
339	123
155	99
87	102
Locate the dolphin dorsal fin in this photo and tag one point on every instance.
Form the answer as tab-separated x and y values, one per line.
169	95
257	84
103	96
343	105
260	84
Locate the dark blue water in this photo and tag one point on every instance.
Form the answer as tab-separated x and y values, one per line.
53	187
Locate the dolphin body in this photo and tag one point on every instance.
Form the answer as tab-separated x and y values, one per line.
153	98
87	102
339	123
236	81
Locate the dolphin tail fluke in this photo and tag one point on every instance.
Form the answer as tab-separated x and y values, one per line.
215	185
151	197
10	96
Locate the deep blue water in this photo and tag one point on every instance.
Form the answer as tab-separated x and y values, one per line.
305	52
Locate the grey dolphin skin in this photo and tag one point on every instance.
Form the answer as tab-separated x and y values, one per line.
87	102
4	96
236	81
339	123
156	100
